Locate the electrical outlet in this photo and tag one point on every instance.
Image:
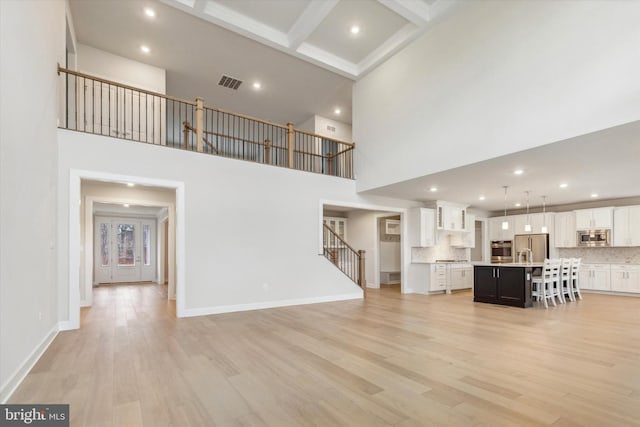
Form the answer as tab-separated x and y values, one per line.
265	286
39	315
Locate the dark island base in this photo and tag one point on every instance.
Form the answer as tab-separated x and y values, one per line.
503	285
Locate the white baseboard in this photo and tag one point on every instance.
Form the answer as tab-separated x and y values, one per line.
66	325
614	293
16	379
203	311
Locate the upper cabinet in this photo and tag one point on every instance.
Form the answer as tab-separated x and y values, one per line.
565	230
593	219
421	224
451	216
626	221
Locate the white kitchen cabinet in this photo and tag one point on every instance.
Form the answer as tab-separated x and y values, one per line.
461	276
626	226
450	216
594	219
595	277
625	278
439	277
565	230
467	238
421	227
495	228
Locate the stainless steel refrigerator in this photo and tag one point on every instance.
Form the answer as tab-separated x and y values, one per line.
530	247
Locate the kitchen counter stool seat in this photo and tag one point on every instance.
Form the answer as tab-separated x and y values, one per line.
547	285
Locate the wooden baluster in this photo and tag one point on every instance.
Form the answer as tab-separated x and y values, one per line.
361	279
329	164
199	124
185	134
267	151
290	140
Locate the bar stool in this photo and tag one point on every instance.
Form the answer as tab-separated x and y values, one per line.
575	277
544	285
565	280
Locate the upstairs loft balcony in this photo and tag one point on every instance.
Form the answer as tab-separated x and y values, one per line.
103	107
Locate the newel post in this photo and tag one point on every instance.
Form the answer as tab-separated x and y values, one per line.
361	279
199	124
290	143
267	151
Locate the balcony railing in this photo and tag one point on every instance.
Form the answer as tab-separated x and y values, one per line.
104	107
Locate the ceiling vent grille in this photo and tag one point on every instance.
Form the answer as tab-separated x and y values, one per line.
230	82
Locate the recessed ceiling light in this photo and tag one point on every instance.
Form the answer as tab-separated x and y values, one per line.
130	184
355	29
337	111
126	205
518	204
594	195
145	49
564	185
257	85
518	172
149	12
481	198
433	189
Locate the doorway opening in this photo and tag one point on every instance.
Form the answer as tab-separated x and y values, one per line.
375	230
145	243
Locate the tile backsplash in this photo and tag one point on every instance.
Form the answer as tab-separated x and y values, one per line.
442	250
604	255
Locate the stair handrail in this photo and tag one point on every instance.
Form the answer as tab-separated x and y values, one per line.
358	276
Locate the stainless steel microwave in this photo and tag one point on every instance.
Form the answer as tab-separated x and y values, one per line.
594	238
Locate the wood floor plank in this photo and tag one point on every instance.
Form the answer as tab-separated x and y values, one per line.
396	360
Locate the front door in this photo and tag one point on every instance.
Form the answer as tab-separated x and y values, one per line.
125	250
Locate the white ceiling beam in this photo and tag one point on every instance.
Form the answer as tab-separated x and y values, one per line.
309	20
242	24
415	11
393	44
328	60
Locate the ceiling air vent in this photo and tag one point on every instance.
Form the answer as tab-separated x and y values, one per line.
229	82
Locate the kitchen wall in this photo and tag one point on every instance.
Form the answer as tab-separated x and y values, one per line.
604	255
507	70
442	250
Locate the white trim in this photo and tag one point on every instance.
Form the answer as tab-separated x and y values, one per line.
308	21
203	311
9	387
65	325
75	177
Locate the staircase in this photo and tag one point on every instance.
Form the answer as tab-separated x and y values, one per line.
348	260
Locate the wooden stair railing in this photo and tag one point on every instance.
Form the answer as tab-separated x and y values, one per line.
348	260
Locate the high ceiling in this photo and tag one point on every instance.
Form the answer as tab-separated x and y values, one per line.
605	163
196	53
349	37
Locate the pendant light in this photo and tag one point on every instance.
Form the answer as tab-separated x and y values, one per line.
527	226
544	216
505	223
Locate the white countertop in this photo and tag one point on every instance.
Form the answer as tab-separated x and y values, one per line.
510	264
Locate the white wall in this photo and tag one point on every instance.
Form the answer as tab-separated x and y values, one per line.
320	125
251	231
361	235
122	70
32	42
497	77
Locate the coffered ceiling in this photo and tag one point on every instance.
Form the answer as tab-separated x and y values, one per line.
323	32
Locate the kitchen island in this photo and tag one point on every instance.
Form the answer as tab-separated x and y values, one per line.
504	284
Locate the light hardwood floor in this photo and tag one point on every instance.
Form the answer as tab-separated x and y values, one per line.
402	360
